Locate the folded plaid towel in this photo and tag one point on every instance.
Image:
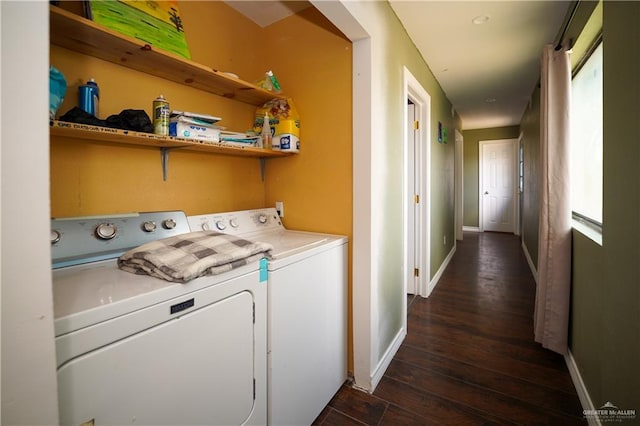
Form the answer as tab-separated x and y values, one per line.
184	257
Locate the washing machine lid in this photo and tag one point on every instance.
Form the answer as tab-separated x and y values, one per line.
292	246
287	242
264	225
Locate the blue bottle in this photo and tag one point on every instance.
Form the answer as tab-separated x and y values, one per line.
88	97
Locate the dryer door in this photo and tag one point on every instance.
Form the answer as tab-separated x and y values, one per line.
194	369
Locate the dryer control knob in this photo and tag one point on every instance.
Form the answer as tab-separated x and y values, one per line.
206	227
149	226
262	218
233	223
220	225
169	224
106	231
55	236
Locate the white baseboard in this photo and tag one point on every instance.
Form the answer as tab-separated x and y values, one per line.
382	366
530	262
441	269
471	228
581	389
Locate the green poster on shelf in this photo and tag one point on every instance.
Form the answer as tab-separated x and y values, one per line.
157	23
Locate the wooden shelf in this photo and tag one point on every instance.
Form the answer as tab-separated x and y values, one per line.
116	136
85	36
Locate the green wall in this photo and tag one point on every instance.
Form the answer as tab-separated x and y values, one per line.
391	51
470	166
617	352
587	294
530	127
605	295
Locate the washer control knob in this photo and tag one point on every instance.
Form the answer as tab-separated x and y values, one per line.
220	225
169	224
206	227
55	236
233	223
106	231
262	218
149	226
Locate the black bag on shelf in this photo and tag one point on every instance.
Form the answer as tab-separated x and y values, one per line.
128	119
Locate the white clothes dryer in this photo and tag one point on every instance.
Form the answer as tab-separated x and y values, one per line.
133	349
306	311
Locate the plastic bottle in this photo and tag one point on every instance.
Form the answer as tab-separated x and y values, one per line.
273	80
89	97
266	132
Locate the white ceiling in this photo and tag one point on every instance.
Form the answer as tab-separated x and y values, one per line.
488	71
265	12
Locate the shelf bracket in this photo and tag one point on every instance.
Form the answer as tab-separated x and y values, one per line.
164	156
262	166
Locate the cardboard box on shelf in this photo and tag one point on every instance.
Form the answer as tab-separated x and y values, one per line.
194	126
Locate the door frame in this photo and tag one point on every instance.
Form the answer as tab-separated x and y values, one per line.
418	170
412	255
519	159
514	177
459	185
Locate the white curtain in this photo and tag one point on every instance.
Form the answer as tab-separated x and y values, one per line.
551	318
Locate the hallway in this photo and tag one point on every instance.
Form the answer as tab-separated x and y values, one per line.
469	356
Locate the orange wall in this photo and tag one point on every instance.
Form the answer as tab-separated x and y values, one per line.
313	63
88	178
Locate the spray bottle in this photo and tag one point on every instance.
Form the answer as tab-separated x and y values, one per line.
266	132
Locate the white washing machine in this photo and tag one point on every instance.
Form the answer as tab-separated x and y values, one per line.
307	311
133	349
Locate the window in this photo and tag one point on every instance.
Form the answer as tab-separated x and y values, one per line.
586	140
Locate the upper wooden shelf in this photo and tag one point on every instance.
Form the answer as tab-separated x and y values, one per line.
111	136
85	36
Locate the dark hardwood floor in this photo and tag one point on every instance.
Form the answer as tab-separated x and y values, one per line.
469	355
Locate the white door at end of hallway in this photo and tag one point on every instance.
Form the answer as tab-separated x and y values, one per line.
498	183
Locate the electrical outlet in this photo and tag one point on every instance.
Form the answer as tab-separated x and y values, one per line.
280	208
